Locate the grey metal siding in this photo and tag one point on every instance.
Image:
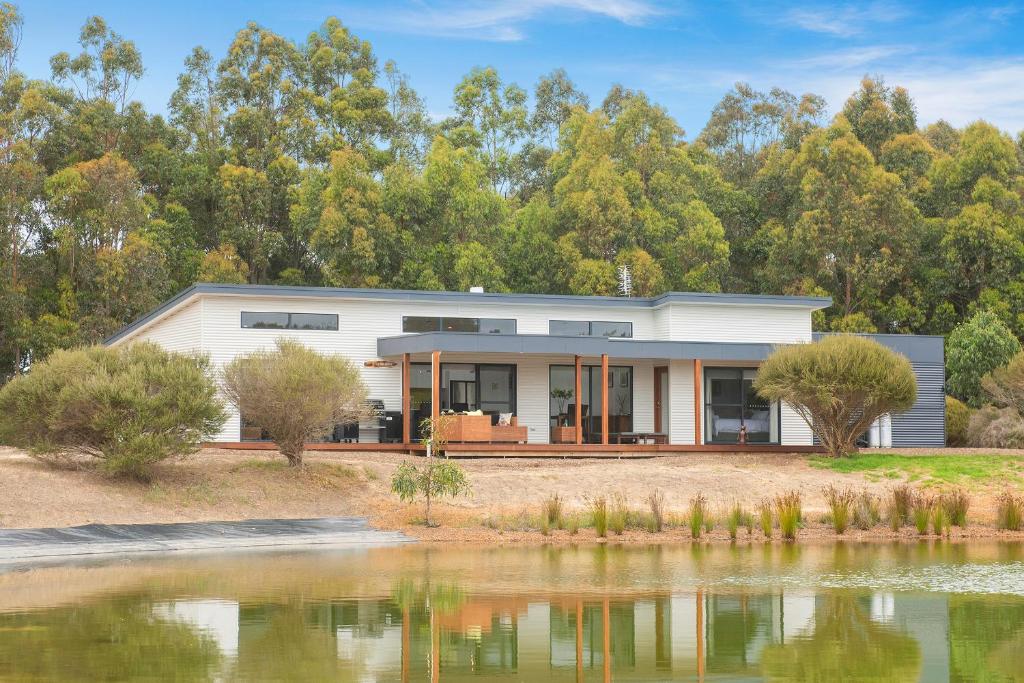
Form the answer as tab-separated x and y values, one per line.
924	425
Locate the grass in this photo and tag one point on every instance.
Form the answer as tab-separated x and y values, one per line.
929	470
1010	511
599	515
922	512
900	505
765	518
551	511
656	502
735	518
788	510
866	513
618	516
698	513
955	504
840	504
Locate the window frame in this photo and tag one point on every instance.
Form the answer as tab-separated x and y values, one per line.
441	324
590	328
335	328
706	403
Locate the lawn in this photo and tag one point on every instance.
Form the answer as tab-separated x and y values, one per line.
931	470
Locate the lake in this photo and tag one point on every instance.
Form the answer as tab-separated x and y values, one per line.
804	612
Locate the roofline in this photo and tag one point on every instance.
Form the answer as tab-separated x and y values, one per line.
777	300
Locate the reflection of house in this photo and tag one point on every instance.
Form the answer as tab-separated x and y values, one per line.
672	372
217	619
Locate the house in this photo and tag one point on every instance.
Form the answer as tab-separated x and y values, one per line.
541	372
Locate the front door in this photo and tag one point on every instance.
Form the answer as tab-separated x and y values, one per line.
661	400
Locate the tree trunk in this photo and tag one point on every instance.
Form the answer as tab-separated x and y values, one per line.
292	451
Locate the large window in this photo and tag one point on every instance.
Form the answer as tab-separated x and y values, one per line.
732	405
562	389
465	387
589	328
289	321
419	323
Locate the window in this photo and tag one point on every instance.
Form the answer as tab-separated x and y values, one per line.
466	387
731	404
417	323
289	321
590	328
562	390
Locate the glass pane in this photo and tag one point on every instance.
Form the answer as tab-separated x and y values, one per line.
760	416
569	328
498	325
312	321
561	395
724	423
607	329
460	324
416	323
265	321
620	399
497	389
458	387
723	386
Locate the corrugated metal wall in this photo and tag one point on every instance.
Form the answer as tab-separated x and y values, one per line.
924	425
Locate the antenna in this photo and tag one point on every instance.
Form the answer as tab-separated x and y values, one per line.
625	281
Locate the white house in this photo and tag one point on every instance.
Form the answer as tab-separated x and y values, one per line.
672	372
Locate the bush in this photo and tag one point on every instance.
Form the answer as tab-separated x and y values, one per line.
840	504
839	386
295	393
1005	384
975	348
129	407
957	417
992	427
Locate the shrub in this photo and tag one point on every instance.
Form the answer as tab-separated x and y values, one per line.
599	515
435	479
698	511
957	417
129	407
921	511
295	393
1010	511
840	504
787	508
656	502
839	386
992	427
975	348
551	510
865	511
1005	385
764	515
955	503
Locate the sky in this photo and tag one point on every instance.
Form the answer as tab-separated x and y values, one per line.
960	61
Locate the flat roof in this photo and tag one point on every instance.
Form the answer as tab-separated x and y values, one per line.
810	302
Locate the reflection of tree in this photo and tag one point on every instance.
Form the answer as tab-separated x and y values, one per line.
986	639
845	645
282	643
117	640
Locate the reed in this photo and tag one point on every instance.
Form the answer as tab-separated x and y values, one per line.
765	517
618	516
921	510
865	510
572	524
956	503
840	504
599	515
698	511
734	519
545	525
656	503
552	510
1010	511
901	504
940	522
787	508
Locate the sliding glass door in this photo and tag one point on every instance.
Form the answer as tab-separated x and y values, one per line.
731	405
562	403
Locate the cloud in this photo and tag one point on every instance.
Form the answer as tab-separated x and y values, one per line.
502	20
854	57
843	21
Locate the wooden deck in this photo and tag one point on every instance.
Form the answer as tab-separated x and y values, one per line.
532	450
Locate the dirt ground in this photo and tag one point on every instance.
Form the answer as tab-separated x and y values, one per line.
217	484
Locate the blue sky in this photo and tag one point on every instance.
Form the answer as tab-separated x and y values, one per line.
960	61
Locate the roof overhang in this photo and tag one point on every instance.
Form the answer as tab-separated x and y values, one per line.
544	344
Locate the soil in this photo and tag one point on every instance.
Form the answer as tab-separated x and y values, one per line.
217	484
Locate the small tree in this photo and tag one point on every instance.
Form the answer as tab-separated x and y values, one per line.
438	477
295	393
1005	385
129	407
839	386
973	349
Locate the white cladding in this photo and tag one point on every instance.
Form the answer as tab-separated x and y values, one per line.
211	323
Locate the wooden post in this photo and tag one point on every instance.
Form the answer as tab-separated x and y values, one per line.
435	385
406	399
579	401
698	402
604	398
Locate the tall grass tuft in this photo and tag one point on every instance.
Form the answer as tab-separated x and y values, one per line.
545	525
956	503
940	522
764	516
865	511
618	516
572	524
1010	511
787	508
656	502
552	510
599	515
900	505
921	511
840	504
698	511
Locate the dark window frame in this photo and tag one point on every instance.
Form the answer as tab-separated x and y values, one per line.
590	328
406	319
288	325
706	402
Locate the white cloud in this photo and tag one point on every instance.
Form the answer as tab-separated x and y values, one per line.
843	20
854	57
502	20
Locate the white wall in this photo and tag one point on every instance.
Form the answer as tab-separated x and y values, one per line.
736	323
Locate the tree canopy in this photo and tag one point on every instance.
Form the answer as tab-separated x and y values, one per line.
315	162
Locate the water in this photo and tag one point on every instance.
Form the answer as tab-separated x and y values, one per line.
924	612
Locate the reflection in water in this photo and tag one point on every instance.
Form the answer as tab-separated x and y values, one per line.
591	614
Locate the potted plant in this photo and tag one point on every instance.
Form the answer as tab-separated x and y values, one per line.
562	395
